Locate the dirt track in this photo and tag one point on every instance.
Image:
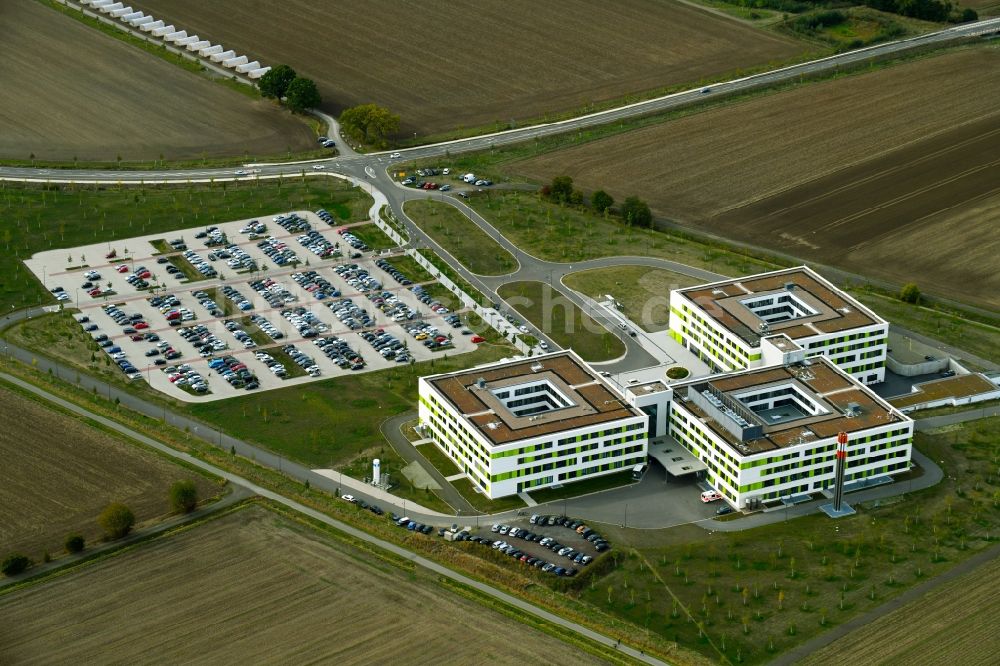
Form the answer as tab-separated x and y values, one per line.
443	64
252	587
70	91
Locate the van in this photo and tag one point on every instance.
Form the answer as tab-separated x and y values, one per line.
638	471
710	496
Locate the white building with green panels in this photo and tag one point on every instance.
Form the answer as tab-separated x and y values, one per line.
531	424
724	322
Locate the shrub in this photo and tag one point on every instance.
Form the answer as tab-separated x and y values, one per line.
14	564
677	372
183	496
601	201
116	520
636	213
910	293
74	543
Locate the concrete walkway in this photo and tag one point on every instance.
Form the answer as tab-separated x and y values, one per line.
430	565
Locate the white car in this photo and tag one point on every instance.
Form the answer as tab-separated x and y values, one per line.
543	345
319	167
394	156
523	329
348	498
240	172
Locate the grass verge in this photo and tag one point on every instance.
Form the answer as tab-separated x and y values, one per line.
571	490
408	266
461	237
373	237
482	502
449	272
435	457
560	319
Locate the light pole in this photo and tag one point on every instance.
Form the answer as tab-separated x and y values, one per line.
625	524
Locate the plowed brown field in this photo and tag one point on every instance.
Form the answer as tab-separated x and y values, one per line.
58	473
253	587
443	64
890	173
70	91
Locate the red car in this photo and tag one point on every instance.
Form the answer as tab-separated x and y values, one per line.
173	314
122	269
145	275
94	292
136	338
140	325
477	339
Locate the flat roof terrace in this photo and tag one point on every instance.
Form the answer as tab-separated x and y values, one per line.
482	396
797	302
789	405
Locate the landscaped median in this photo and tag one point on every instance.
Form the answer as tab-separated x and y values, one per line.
461	237
560	319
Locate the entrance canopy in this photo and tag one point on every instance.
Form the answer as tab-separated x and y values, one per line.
677	460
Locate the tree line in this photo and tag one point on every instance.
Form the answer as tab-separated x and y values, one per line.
116	521
283	84
633	211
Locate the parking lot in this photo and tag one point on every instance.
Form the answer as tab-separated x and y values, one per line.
205	314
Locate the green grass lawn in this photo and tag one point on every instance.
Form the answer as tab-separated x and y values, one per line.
330	423
748	596
373	237
435	457
569	234
571	490
562	321
45	217
980	339
450	273
485	504
461	237
408	266
643	292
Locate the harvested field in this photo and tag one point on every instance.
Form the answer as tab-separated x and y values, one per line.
495	62
885	164
254	586
59	473
954	623
72	92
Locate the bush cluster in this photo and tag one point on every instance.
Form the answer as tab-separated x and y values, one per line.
634	211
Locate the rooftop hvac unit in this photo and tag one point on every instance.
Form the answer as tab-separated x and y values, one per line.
789	286
853	409
481	383
764	327
493	425
535	367
718	292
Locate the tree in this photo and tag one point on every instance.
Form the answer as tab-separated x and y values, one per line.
14	564
369	123
910	293
74	543
116	520
601	201
561	188
275	83
183	496
302	95
636	213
